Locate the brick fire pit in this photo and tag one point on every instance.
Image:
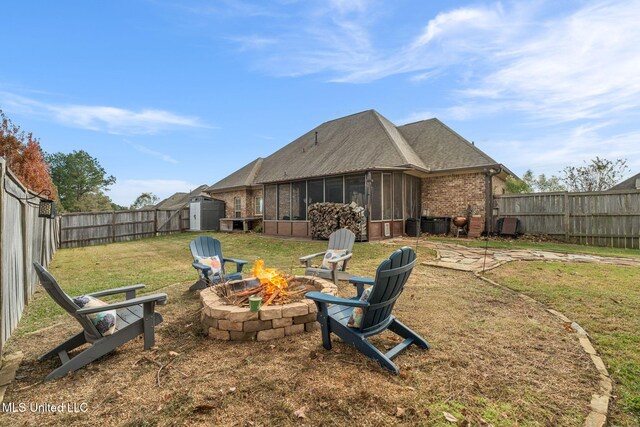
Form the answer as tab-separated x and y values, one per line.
224	321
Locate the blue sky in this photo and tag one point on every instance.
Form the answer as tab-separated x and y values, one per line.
169	95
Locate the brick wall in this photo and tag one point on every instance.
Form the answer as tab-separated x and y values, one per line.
247	201
451	194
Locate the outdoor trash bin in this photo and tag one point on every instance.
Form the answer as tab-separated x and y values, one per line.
435	224
411	227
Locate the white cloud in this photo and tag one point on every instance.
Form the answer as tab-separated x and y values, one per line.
142	149
125	191
550	153
101	118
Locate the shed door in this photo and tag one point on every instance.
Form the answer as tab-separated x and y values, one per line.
195	217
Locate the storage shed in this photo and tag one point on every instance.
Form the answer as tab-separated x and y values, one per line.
205	213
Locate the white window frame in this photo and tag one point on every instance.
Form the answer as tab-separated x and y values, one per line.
237	207
258	202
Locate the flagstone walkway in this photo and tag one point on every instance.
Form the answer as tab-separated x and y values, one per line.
476	260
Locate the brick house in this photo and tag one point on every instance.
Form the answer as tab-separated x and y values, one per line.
394	172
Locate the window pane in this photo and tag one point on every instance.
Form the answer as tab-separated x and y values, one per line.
270	201
299	200
376	193
397	196
333	187
316	191
387	193
258	202
354	189
284	201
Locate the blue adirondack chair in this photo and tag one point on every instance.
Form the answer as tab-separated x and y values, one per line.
334	312
205	246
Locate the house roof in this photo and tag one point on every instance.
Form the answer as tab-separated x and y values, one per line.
243	177
441	148
179	199
632	183
359	142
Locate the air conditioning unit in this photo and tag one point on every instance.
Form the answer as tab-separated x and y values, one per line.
387	229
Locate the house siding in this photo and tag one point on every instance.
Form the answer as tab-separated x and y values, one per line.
247	201
449	195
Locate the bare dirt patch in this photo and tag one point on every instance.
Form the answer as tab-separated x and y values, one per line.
494	358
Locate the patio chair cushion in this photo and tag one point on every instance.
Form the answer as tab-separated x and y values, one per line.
104	321
355	321
210	261
333	254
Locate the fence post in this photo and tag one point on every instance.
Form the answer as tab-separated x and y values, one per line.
24	208
155	222
2	266
113	227
567	219
180	222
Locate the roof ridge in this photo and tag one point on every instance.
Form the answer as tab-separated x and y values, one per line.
254	171
465	141
405	151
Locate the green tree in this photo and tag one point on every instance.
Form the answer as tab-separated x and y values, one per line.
145	199
530	183
514	185
94	202
598	175
77	174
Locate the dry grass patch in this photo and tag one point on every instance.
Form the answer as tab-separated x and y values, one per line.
494	358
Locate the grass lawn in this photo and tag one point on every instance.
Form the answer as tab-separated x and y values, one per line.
495	359
540	246
605	300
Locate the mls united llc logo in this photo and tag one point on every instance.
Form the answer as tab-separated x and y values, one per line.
69	407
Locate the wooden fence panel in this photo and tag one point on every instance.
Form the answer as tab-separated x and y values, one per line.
97	228
597	219
24	238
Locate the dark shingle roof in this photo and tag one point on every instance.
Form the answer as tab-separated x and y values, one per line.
243	177
179	199
441	148
628	184
359	142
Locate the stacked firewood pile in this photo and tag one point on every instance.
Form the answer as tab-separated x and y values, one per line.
325	218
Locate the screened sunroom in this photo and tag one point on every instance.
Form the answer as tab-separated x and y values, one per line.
389	198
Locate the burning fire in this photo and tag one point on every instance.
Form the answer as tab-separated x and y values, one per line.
272	281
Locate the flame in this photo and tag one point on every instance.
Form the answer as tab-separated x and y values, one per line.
270	279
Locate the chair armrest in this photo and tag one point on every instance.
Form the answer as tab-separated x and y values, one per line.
319	297
235	261
364	280
200	266
159	298
307	258
360	282
122	290
342	258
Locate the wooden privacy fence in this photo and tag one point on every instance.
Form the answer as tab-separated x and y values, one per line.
24	238
609	218
97	228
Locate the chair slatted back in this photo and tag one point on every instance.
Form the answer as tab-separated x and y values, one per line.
52	287
391	276
342	239
205	246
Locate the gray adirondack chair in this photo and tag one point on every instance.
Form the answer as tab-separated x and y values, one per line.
334	312
339	239
205	246
135	316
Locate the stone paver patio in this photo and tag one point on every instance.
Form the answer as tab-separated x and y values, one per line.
458	257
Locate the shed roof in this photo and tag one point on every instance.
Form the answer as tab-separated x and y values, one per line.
179	199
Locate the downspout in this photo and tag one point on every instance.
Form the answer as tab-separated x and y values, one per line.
488	195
